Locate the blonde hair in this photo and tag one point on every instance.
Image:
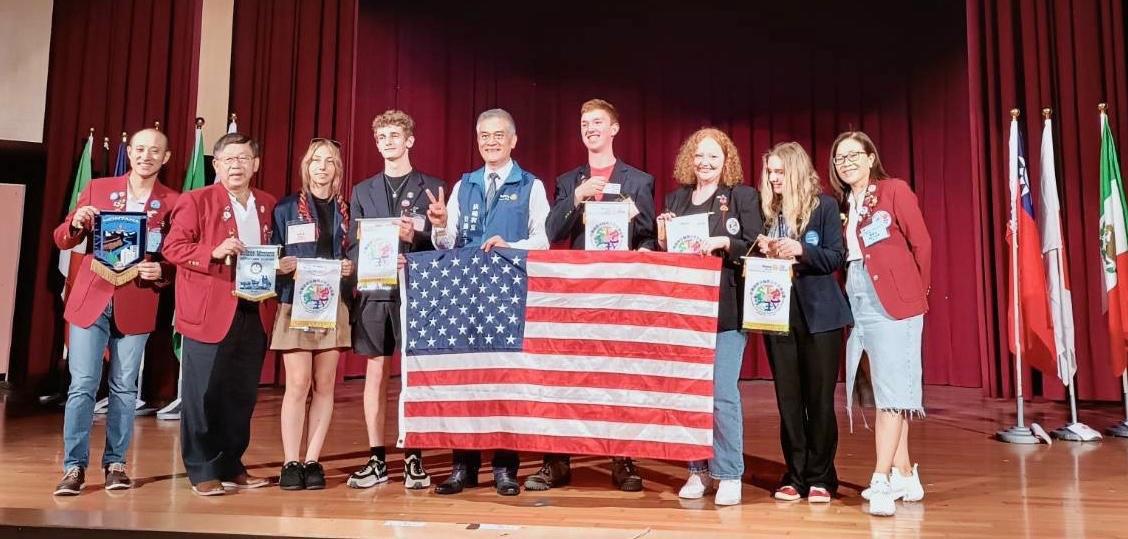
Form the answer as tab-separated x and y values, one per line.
801	188
396	118
731	173
334	156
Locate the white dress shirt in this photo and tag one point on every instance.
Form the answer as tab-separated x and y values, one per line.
538	212
246	219
853	249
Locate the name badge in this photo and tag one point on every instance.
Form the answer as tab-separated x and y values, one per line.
153	241
612	188
301	232
874	232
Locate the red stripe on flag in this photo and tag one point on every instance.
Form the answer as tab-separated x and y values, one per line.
603	380
666	352
647	287
620	317
559	444
551	410
1036	326
634	257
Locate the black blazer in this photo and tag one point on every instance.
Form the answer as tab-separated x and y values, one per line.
565	220
370	200
286	212
744	206
821	299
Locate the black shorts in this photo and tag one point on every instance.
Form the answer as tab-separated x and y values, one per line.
375	327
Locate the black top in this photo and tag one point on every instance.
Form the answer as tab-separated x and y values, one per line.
325	221
741	221
394	188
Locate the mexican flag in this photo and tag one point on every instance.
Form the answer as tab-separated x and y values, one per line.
82	176
1114	248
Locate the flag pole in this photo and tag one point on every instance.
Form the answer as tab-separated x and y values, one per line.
1020	433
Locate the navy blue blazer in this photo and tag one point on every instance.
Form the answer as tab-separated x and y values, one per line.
286	212
370	200
565	220
743	204
821	299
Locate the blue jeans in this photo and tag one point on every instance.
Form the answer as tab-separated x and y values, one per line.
728	416
85	363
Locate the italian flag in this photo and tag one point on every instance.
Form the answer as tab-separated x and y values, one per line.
1114	248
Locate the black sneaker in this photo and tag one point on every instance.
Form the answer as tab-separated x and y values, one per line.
293	476
371	474
314	475
116	479
553	473
72	482
624	475
414	476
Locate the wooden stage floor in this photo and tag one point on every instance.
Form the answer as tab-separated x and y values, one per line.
976	487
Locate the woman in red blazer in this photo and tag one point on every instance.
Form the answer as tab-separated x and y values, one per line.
121	317
887	282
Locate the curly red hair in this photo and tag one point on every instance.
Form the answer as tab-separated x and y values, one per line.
732	173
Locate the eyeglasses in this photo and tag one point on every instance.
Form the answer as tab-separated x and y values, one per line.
496	136
315	140
852	157
231	161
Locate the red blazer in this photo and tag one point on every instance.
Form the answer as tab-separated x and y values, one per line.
900	266
90	294
205	288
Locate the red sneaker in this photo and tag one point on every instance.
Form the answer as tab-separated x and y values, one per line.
818	495
787	493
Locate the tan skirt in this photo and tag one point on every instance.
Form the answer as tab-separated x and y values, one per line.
283	338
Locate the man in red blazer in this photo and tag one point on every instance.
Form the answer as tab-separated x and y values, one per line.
224	336
121	317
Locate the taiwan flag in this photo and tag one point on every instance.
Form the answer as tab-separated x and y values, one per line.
1030	326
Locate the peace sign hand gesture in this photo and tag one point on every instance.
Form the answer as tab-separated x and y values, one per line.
437	210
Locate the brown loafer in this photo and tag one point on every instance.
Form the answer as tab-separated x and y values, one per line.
208	488
245	481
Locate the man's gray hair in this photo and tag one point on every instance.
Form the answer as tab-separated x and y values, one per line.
498	113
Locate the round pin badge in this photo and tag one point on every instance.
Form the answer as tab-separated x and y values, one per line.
113	196
405	203
812	237
156	204
883	218
410	195
732	225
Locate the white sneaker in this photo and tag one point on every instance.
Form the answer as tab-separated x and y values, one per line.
728	492
695	486
881	496
905	487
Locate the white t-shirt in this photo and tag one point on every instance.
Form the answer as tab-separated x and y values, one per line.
853	248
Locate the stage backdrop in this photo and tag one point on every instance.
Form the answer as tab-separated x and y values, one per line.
764	74
930	80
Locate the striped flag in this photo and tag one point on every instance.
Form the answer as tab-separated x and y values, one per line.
1057	276
1114	248
1028	311
82	176
603	353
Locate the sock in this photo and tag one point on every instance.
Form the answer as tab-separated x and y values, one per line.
410	452
378	452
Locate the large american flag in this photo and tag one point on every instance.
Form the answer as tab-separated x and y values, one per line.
603	353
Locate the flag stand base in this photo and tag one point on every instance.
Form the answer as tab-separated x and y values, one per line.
1120	430
1066	434
1018	435
170	412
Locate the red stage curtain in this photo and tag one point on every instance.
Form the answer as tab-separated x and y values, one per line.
114	66
291	81
765	74
1069	56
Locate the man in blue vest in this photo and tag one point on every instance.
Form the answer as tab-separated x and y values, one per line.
498	205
